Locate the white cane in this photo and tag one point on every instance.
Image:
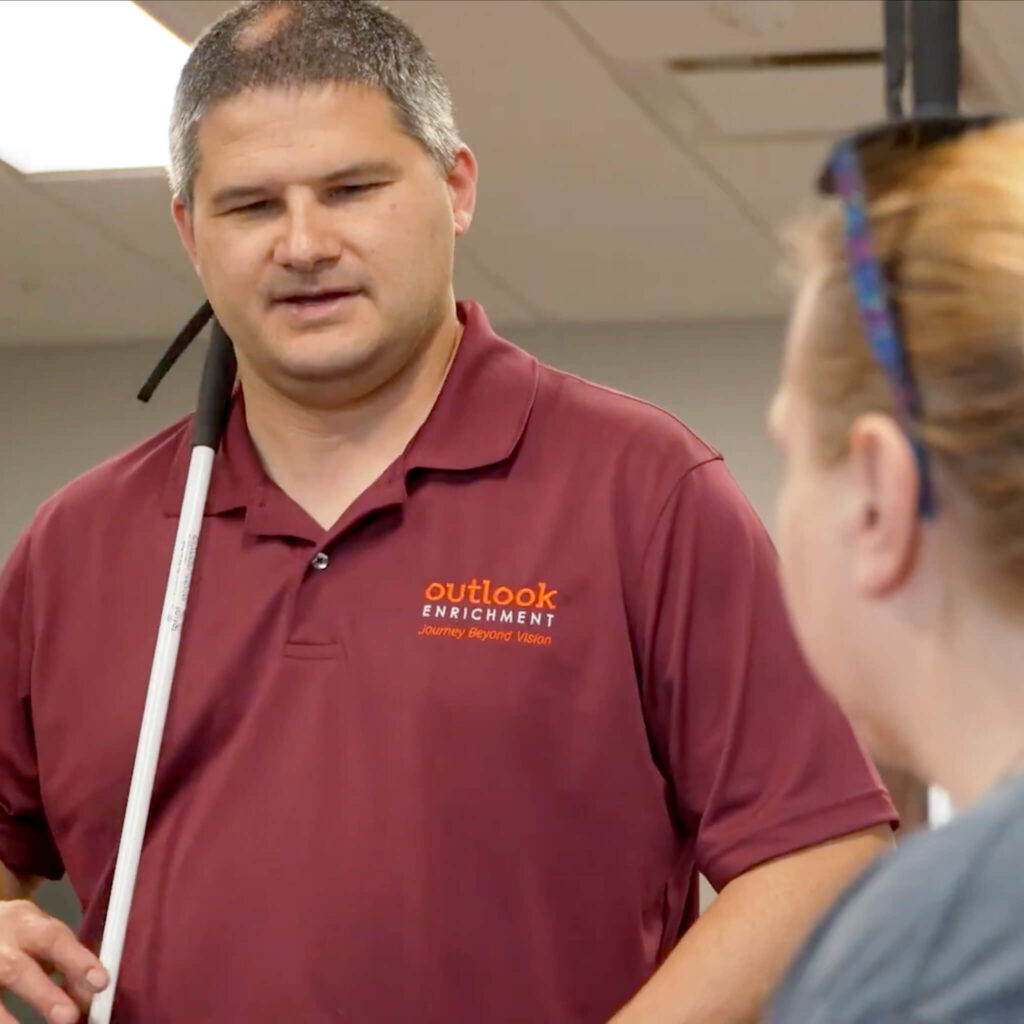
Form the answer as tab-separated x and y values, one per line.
214	396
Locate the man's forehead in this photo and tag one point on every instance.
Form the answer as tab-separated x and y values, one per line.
279	108
270	135
339	117
287	99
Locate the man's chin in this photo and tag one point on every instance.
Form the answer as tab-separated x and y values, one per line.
326	378
325	371
325	355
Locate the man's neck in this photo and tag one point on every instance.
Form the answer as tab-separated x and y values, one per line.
325	457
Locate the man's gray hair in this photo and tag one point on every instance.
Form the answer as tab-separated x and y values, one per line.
295	43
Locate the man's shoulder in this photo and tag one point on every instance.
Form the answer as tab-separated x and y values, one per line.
595	414
127	481
919	927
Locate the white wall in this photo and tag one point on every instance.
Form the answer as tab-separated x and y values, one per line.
717	378
63	410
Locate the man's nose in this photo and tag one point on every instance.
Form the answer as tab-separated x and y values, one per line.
309	240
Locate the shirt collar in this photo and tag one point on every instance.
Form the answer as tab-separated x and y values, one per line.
477	421
237	473
482	410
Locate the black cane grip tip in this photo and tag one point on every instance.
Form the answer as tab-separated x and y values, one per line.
214	390
185	337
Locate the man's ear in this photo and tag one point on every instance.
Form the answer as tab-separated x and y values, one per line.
461	181
886	485
182	217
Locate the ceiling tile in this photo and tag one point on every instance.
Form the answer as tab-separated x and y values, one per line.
63	281
776	177
134	208
186	18
656	30
787	101
587	209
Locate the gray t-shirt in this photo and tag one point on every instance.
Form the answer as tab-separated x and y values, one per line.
934	932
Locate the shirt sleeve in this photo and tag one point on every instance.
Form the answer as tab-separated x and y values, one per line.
26	845
760	759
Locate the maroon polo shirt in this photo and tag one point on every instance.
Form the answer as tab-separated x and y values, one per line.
457	759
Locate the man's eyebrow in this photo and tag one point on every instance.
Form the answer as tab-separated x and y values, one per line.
365	169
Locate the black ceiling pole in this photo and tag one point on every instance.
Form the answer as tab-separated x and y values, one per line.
895	21
935	49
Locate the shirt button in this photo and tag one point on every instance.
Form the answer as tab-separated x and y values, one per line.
320	561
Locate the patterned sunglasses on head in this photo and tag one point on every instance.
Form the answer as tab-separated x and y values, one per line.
847	169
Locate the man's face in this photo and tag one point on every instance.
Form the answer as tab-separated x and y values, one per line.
324	236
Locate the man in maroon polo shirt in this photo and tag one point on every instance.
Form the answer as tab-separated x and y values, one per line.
482	662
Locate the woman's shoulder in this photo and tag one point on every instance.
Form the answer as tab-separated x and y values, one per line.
933	926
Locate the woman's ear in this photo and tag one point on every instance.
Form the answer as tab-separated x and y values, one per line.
886	485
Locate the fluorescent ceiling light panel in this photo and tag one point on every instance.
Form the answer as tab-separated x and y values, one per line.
85	85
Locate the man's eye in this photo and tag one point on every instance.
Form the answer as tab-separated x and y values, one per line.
260	206
351	191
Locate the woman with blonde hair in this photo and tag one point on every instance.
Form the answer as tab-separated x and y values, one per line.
900	416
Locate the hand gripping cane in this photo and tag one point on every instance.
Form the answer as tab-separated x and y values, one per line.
211	416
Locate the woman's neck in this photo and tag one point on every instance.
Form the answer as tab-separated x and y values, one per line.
969	722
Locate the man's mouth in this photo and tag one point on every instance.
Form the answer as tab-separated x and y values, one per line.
319	298
309	308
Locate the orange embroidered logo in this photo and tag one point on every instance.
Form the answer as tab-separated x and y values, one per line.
491	607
